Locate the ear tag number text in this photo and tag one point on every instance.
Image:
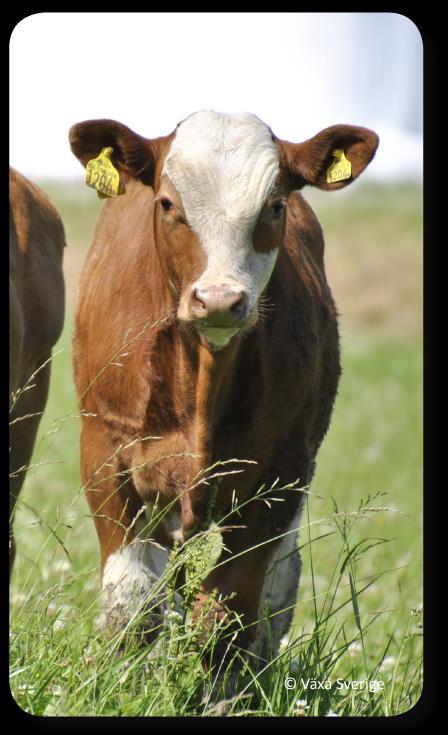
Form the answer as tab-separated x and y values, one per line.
340	169
102	175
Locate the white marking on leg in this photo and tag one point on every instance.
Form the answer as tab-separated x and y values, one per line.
128	587
279	592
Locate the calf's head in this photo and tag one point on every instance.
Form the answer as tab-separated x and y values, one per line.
222	184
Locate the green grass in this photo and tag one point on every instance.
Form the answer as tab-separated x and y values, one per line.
360	601
373	446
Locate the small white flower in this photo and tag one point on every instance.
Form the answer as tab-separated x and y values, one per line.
331	714
51	609
174	617
62	617
59	625
300	708
387	663
284	643
18	598
27	688
62	567
354	649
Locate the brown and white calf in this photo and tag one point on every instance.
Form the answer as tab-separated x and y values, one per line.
36	317
206	322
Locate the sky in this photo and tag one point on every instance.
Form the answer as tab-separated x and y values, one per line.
299	72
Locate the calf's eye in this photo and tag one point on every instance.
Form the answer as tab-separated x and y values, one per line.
166	204
277	209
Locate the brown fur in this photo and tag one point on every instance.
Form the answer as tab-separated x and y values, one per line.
267	396
36	293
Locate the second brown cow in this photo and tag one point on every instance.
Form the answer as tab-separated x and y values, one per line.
206	332
36	318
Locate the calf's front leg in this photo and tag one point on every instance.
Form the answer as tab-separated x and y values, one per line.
259	584
127	565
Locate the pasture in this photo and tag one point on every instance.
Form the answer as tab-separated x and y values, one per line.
359	610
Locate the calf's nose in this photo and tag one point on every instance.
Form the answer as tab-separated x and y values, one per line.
220	306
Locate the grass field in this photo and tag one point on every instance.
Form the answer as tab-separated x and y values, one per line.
359	611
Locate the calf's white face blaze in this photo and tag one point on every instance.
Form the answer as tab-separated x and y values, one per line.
224	167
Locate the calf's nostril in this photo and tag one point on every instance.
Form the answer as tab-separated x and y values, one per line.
238	308
199	299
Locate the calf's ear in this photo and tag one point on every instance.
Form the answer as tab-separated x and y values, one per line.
132	154
308	162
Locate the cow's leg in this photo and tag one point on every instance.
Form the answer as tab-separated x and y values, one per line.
237	586
127	576
24	421
279	594
239	580
158	544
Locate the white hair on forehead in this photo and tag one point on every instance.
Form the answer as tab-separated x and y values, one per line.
224	167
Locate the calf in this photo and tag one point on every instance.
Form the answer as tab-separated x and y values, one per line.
205	332
36	317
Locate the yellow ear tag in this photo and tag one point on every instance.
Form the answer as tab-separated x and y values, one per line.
102	175
340	169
